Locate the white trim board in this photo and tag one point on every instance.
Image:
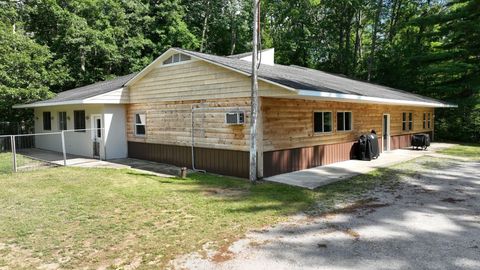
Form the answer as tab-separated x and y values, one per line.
98	99
368	99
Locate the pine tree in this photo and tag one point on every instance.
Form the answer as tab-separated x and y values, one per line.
452	70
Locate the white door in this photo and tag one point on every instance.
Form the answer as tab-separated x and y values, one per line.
386	132
97	135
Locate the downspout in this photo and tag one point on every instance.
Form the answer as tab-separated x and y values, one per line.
193	141
193	129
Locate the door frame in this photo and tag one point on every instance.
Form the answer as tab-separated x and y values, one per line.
94	137
388	131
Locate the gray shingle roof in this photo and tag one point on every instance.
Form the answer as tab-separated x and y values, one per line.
296	77
310	79
88	91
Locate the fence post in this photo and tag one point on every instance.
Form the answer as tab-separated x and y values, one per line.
14	153
63	149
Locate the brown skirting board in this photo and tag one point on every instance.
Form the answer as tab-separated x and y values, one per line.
236	163
402	141
289	160
225	162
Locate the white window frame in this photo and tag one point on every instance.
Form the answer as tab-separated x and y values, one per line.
429	120
135	124
323	121
93	131
351	121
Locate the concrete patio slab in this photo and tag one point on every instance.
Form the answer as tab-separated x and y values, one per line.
56	159
323	175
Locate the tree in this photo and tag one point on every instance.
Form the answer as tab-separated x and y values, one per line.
426	47
27	70
100	39
451	71
222	26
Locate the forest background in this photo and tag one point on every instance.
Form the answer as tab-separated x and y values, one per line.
429	47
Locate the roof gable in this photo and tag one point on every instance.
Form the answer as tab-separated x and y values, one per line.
84	94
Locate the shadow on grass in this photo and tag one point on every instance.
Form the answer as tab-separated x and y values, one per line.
242	196
285	199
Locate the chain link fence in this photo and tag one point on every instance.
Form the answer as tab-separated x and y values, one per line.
24	152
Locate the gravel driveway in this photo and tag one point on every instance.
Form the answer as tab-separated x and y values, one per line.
430	220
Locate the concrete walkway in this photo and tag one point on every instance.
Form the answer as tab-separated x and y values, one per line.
319	176
56	158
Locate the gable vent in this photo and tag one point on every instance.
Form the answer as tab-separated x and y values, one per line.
178	57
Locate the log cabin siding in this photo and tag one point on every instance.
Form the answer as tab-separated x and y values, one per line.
288	123
170	123
195	80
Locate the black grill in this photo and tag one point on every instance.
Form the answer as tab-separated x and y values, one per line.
420	141
368	148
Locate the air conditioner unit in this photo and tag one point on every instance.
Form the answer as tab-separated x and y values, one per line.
235	118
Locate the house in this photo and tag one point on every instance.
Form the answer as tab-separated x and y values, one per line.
193	109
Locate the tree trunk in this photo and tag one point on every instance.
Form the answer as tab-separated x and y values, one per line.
82	60
205	25
374	39
394	17
356	50
348	33
233	33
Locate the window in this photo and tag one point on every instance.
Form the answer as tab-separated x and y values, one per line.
98	126
344	121
140	122
429	120
410	121
322	121
424	120
62	120
79	121
47	121
407	123
178	57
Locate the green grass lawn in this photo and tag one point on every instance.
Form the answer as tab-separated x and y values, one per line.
23	162
79	217
5	162
463	150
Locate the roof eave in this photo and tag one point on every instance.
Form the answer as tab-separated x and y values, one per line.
85	101
367	99
47	104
